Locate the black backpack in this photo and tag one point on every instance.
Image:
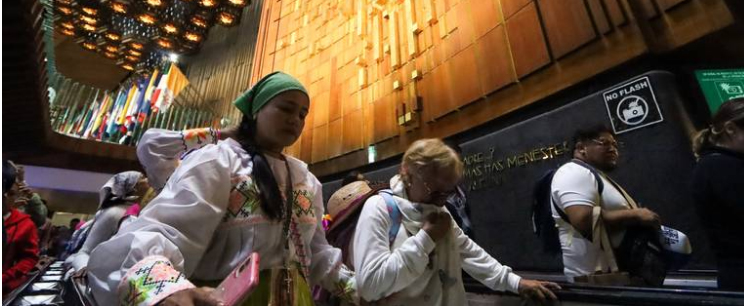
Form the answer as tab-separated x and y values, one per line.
543	224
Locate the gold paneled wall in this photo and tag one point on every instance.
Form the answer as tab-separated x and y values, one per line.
384	72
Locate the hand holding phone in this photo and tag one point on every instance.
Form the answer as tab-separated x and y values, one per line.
240	283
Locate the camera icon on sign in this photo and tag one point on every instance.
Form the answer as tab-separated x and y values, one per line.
633	111
732	89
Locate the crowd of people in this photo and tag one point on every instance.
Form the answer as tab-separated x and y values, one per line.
220	196
27	228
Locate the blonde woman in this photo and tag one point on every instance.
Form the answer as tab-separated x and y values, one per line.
422	264
718	190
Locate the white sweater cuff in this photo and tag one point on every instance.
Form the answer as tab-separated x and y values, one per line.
513	282
425	242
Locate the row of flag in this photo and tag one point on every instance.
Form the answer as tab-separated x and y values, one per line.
123	116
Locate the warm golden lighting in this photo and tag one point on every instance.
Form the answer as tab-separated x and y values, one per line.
128	67
64	10
110	55
225	18
89	10
65	2
136	45
89	45
89	20
113	36
89	28
208	3
199	21
164	43
67	32
132	58
170	28
192	36
67	25
135	53
111	48
147	19
237	2
119	7
155	3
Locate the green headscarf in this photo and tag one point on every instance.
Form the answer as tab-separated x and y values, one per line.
275	83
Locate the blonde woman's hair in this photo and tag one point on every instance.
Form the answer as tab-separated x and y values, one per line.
432	153
729	111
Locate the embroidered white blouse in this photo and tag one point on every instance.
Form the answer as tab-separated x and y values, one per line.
415	270
205	221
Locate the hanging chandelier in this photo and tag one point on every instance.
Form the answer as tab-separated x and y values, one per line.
138	33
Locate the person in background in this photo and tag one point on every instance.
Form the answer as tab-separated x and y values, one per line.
21	249
457	203
351	177
47	233
718	190
574	190
74	223
422	263
79	235
29	202
121	192
221	203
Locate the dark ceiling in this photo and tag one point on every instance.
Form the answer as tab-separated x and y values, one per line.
84	66
27	134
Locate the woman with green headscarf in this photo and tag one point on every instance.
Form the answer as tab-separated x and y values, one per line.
223	202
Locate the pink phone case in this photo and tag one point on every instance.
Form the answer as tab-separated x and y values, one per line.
240	283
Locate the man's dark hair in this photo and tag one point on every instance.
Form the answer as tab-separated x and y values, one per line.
74	221
350	178
589	133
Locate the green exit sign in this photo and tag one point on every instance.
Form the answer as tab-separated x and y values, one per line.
720	85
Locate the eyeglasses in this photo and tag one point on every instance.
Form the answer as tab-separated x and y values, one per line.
609	143
437	194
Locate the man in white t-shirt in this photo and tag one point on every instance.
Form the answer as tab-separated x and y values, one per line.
575	191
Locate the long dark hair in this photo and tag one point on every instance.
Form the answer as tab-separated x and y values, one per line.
732	110
269	193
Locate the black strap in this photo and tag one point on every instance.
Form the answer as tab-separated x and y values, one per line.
594	171
560	212
600	186
287	215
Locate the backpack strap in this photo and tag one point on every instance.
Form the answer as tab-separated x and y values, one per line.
601	239
597	177
394	213
558	209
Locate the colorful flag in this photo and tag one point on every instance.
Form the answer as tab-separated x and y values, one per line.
125	110
170	86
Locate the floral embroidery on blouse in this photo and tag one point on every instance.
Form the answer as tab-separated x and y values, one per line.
195	139
244	199
151	280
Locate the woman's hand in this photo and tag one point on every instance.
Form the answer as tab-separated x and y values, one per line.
538	290
202	296
83	272
437	225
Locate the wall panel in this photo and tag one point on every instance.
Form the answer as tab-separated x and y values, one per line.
376	62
